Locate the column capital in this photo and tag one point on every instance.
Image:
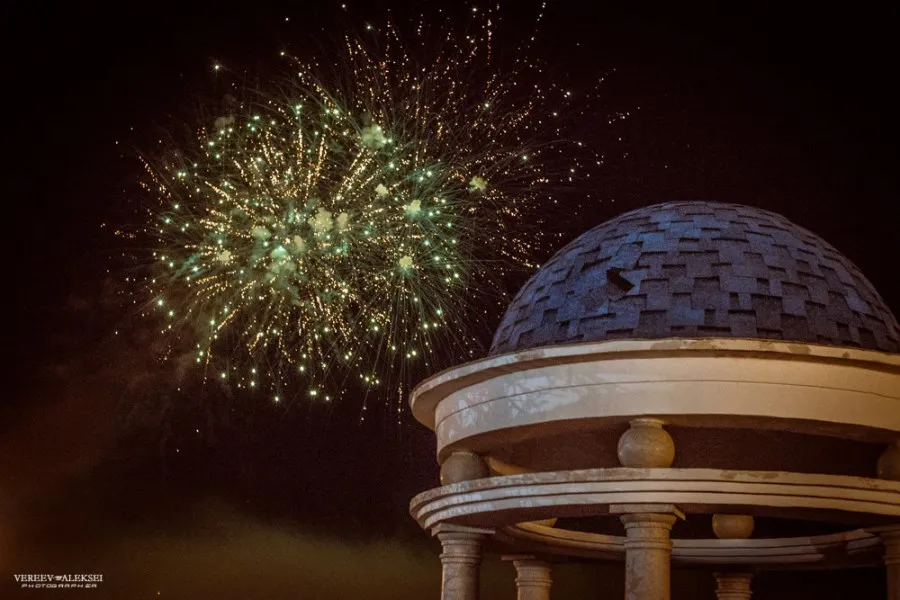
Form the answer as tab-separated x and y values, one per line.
648	548
460	559
460	544
527	560
460	531
515	557
647	525
533	576
890	539
647	510
733	585
891	532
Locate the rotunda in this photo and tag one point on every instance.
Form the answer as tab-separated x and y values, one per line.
691	382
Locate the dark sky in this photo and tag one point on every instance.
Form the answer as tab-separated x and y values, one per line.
106	467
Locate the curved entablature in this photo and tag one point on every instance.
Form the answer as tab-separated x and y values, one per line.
851	548
820	390
507	500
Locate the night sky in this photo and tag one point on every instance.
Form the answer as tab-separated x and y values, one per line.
109	464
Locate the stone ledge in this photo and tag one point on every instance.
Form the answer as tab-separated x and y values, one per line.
851	548
505	500
427	394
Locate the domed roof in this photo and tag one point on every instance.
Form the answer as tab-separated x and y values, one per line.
698	269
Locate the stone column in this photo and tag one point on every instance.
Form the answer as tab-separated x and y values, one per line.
648	545
891	541
889	468
733	586
460	560
533	578
648	549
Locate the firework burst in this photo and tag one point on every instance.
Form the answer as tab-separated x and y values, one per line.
348	226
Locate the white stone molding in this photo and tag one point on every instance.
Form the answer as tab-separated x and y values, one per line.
858	547
769	385
505	500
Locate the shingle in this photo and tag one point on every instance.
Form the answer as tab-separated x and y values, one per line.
697	268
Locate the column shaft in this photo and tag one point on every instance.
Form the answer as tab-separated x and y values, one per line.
461	561
648	552
891	541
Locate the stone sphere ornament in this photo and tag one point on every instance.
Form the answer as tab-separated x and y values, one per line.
889	463
463	466
732	527
646	445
